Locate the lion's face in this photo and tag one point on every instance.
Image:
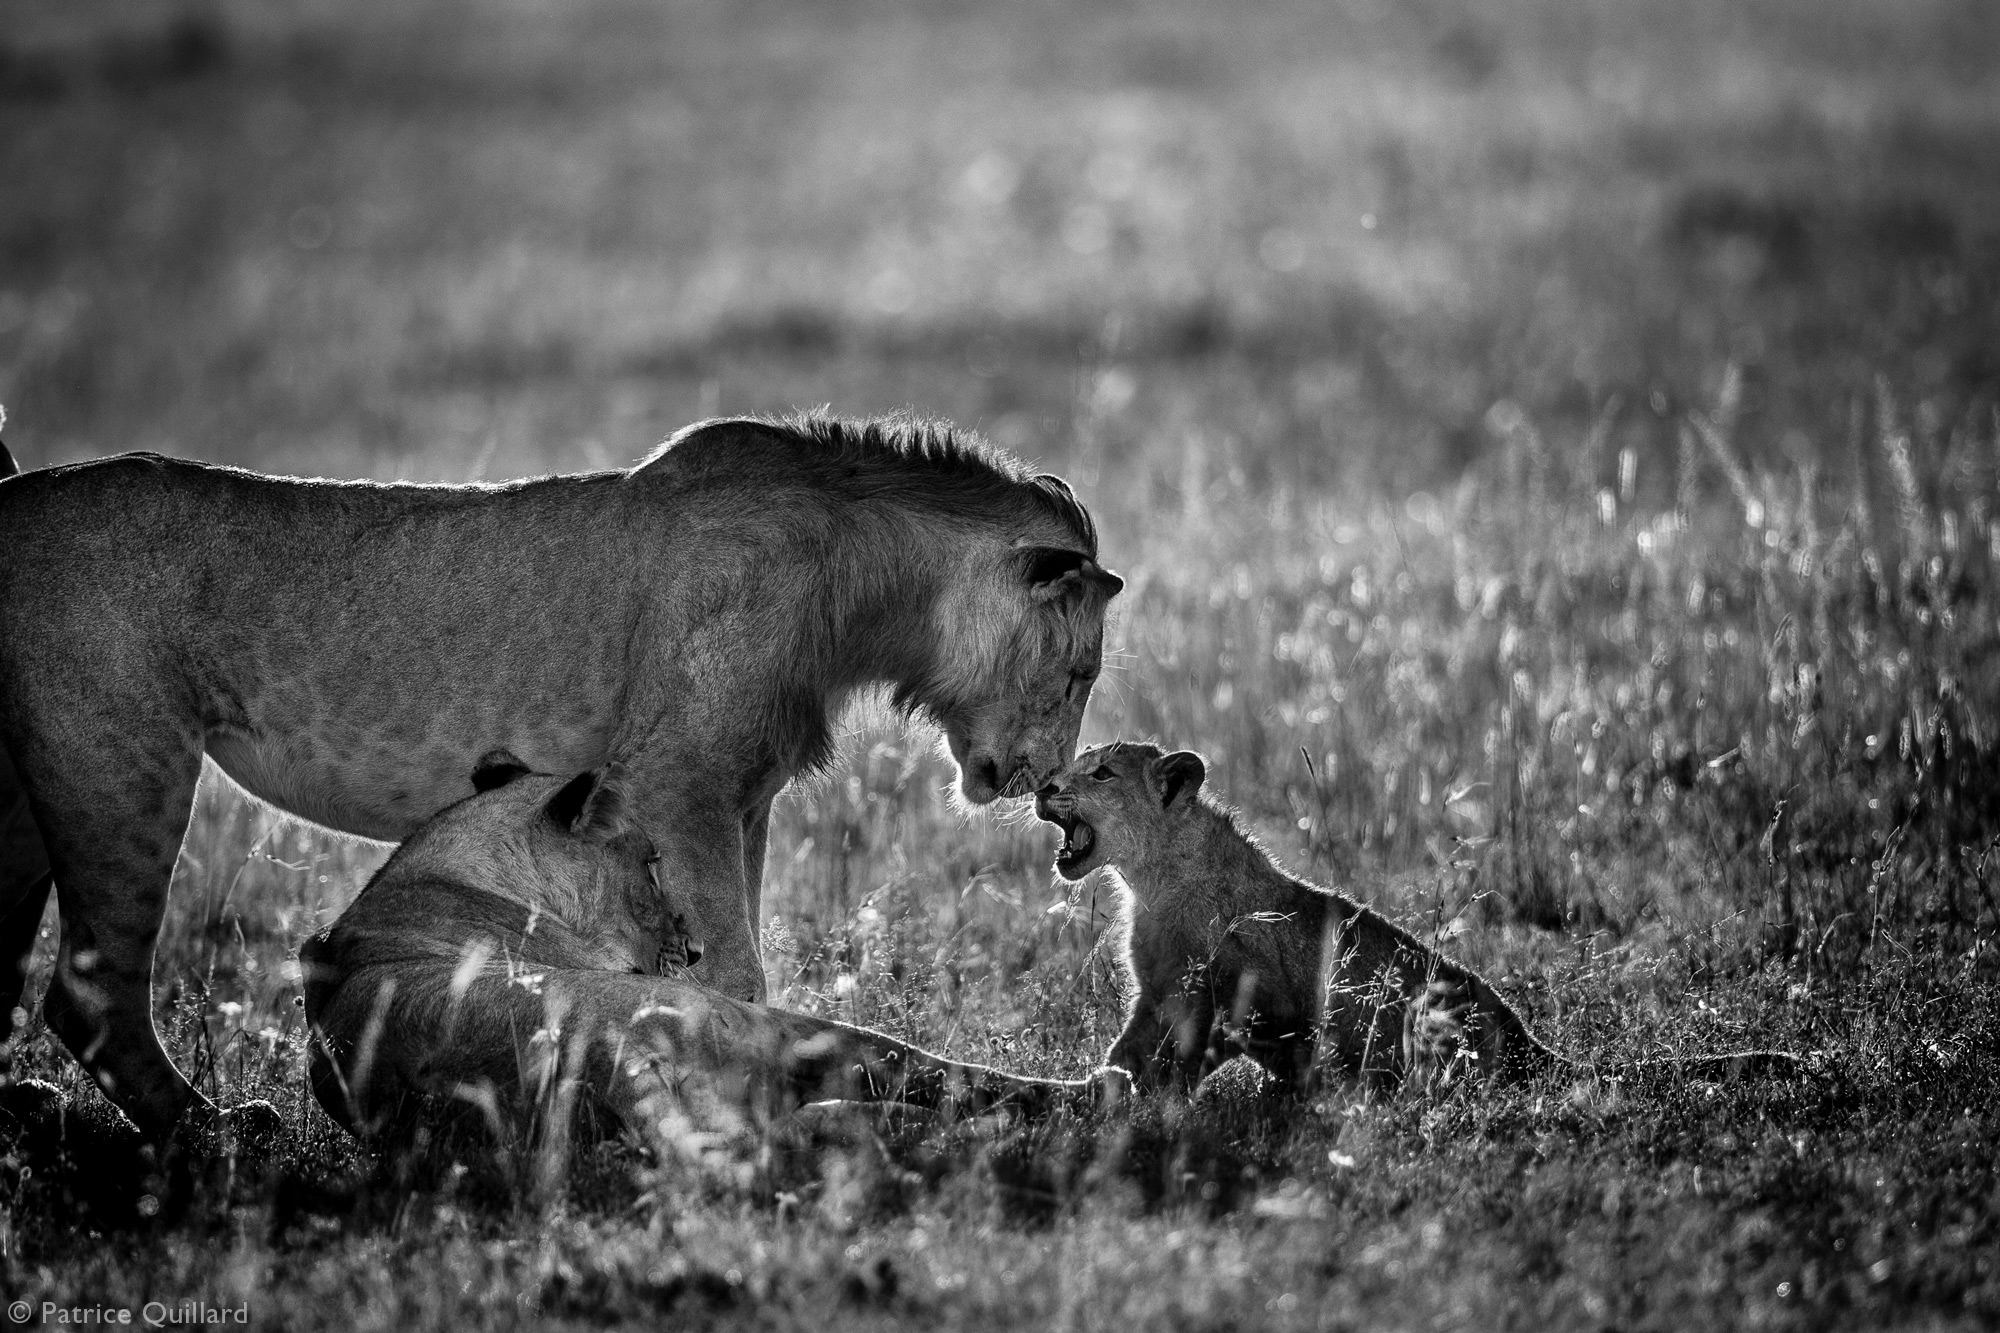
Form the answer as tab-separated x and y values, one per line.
1035	645
568	847
639	923
1011	745
1116	801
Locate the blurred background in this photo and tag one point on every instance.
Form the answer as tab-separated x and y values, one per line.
440	238
1371	331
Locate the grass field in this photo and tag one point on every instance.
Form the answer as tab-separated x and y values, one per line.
1553	450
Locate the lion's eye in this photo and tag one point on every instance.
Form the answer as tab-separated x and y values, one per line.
1102	773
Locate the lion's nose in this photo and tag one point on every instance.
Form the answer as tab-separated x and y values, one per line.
693	952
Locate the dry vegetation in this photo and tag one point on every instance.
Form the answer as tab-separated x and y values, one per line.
1553	451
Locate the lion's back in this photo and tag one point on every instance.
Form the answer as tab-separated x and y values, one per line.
135	542
177	520
313	627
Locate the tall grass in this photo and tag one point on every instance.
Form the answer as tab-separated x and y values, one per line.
1680	778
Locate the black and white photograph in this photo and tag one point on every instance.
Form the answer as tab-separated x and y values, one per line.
1085	665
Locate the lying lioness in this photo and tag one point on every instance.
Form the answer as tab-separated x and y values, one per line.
1231	955
516	951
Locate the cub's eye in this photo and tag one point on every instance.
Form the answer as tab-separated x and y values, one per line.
1102	773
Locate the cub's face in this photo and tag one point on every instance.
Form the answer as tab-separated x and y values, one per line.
566	847
1117	801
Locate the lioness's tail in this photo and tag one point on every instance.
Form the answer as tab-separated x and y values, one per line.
1736	1065
826	1059
1731	1068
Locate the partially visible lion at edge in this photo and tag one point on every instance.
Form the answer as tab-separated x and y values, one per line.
516	953
346	650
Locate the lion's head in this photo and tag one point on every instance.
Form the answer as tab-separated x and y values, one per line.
1021	634
1116	801
565	846
936	564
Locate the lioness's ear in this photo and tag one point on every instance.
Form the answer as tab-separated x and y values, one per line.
497	768
591	805
1177	774
1055	571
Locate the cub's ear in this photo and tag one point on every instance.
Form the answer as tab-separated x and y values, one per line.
497	768
1055	571
591	805
1176	775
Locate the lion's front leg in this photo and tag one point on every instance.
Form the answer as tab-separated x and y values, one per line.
700	838
756	833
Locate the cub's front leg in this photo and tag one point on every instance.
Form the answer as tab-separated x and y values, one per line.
1165	1041
1137	1048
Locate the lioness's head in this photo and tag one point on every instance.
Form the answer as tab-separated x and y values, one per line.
1020	642
565	846
1116	801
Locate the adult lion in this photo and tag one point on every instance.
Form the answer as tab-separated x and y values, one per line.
345	650
515	952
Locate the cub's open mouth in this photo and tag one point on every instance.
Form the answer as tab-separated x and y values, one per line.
1078	840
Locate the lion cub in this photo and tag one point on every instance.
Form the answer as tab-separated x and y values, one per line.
1229	954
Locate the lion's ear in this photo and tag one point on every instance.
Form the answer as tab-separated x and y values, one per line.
497	768
1055	571
1176	775
591	805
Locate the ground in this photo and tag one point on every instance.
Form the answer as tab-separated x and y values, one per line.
1551	448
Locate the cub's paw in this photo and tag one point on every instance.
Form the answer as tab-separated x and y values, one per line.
253	1129
1111	1088
30	1106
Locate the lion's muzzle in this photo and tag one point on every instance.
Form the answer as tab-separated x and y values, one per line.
678	953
